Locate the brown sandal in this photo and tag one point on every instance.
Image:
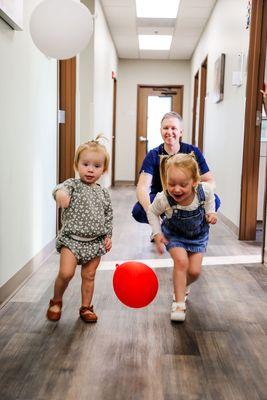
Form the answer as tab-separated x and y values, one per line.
87	314
54	315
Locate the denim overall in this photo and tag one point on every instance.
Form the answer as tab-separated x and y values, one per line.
187	229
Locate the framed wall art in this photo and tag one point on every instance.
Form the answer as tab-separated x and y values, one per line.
219	79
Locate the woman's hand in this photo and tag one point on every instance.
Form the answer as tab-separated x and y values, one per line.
211	218
160	242
108	243
62	199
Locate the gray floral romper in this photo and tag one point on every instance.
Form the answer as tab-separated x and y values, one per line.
87	221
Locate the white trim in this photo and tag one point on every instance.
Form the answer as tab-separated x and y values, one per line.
167	262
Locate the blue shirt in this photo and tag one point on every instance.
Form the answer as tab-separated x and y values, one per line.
151	163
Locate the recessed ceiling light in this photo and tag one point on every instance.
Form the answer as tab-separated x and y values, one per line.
155	42
157	8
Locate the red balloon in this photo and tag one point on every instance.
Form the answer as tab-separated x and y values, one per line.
135	284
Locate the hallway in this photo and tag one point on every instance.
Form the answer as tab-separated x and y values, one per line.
218	353
213	73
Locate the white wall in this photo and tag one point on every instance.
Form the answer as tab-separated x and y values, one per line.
28	136
105	61
85	88
149	72
95	98
224	122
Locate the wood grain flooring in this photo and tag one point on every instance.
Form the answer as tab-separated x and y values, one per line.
219	353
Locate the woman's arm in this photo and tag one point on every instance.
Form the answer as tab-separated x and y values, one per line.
142	190
208	177
211	216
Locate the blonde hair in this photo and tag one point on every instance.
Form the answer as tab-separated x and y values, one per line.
183	161
93	145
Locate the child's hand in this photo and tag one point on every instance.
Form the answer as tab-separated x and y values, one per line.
108	243
160	241
62	199
211	218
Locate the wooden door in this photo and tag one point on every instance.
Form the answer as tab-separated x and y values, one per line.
67	96
194	121
67	107
176	94
203	91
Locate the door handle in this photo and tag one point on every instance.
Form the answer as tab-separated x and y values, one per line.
142	139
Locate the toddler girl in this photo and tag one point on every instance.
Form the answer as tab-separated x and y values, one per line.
86	227
188	208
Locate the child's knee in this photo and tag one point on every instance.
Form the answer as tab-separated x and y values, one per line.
194	274
181	264
66	276
88	276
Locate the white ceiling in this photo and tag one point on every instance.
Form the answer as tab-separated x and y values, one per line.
186	28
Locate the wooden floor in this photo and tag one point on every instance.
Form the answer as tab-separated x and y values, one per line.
220	352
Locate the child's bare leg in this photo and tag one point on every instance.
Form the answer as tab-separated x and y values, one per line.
194	268
181	265
67	267
88	272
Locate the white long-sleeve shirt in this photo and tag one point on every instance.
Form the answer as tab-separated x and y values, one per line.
161	205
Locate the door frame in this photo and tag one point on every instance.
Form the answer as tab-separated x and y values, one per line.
203	92
67	103
252	131
66	130
113	151
141	115
195	98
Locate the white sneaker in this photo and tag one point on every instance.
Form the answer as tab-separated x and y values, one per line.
178	311
187	291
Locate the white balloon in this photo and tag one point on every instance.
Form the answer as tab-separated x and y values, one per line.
61	28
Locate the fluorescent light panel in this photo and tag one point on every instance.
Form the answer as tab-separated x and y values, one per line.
155	42
157	8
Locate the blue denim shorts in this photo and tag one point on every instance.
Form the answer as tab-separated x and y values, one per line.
197	244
